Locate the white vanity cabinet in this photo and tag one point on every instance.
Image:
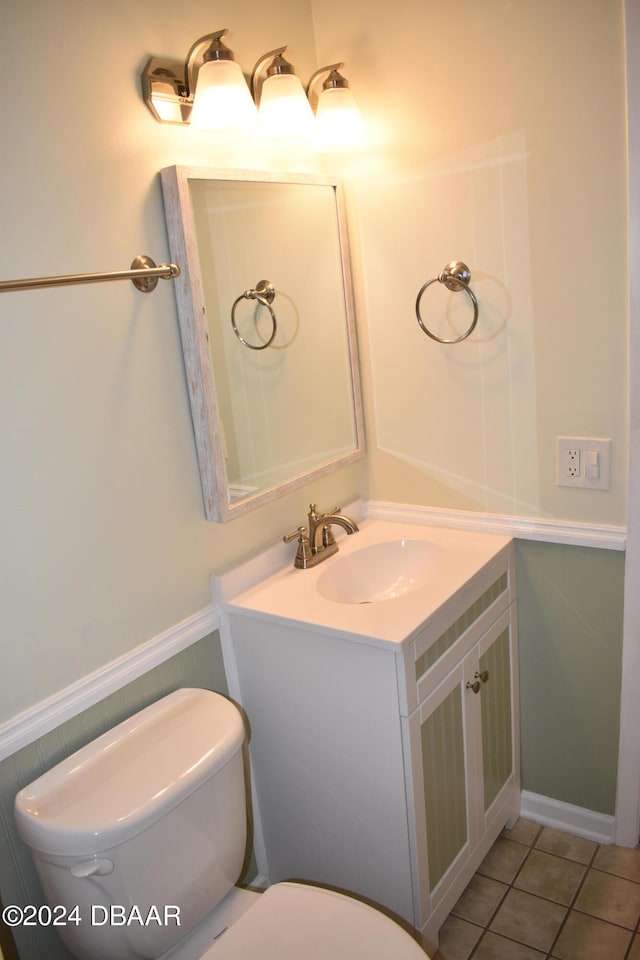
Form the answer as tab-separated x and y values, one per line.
377	766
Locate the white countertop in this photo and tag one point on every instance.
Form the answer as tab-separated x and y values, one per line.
266	587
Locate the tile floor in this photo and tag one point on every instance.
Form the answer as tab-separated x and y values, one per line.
542	894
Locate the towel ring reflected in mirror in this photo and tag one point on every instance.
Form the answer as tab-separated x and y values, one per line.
264	293
455	276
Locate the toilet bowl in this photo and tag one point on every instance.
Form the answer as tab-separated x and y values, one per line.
140	837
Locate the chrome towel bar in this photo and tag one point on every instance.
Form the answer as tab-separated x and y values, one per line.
144	275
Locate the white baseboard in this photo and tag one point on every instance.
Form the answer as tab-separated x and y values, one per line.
565	816
603	536
38	720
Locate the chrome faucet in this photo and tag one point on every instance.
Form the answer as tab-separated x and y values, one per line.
316	541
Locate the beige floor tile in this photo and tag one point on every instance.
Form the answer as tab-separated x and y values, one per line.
566	845
503	860
457	939
493	947
523	831
610	898
546	868
480	900
623	861
552	877
585	938
528	919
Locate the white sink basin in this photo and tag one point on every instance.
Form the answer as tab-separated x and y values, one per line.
417	567
381	571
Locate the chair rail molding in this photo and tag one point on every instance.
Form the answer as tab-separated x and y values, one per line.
605	537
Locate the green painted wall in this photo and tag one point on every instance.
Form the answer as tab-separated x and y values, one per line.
570	634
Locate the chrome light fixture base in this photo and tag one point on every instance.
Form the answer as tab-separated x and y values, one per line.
333	79
165	92
168	86
278	65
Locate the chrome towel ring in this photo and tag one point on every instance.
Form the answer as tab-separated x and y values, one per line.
455	276
264	294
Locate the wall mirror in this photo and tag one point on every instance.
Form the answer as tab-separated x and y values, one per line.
265	303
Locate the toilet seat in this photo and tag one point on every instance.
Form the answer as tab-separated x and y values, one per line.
293	920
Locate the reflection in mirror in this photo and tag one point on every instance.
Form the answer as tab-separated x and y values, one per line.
267	325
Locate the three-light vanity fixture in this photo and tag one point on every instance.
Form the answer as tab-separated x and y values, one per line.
210	92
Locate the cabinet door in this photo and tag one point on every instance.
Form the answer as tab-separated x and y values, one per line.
499	715
440	774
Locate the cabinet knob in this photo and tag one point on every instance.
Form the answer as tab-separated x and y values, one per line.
478	678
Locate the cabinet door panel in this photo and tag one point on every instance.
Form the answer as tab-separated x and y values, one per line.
496	710
435	739
443	764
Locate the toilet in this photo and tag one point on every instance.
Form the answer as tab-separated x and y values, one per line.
139	839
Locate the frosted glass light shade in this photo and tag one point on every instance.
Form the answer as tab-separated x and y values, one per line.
339	124
285	112
222	100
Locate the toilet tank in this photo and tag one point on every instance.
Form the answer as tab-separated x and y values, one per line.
152	814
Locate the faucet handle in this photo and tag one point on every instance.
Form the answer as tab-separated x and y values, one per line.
298	534
303	553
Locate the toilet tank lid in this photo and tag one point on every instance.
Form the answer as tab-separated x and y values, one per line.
118	785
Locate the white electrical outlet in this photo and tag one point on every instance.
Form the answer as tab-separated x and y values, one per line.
572	462
583	462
